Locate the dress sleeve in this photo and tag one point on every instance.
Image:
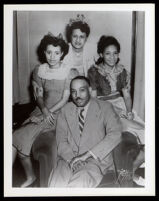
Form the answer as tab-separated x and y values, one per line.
127	84
35	77
92	76
123	81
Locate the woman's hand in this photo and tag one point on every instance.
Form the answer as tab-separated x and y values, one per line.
50	119
48	116
35	119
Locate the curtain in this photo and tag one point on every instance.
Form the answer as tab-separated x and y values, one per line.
21	66
139	76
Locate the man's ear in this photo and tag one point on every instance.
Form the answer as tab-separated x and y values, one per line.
90	90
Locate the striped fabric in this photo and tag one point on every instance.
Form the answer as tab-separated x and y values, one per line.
81	120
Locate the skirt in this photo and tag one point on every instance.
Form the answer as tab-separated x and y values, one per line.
24	137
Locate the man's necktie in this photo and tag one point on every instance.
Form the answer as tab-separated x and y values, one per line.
81	120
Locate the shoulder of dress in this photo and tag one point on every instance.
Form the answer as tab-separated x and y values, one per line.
43	66
36	67
93	68
119	68
40	66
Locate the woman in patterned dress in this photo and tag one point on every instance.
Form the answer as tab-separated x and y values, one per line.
51	89
111	81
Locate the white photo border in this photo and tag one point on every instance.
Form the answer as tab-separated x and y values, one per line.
149	189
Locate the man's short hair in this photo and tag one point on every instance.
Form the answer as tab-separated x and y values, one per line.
81	78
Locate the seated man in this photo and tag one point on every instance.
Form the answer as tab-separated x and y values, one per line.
87	131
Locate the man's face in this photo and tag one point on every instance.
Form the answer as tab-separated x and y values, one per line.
80	92
78	39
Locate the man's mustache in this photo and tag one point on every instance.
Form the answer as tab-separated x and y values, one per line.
78	43
77	99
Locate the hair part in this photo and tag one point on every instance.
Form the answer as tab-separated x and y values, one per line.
83	26
51	40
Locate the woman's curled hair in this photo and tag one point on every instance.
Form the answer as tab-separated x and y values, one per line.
83	26
105	41
49	39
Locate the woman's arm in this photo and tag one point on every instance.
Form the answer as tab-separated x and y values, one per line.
128	102
38	94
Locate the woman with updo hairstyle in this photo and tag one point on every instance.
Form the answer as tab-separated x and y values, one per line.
110	81
80	55
105	42
83	26
51	87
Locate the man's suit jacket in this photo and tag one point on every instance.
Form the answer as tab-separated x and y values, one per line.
101	133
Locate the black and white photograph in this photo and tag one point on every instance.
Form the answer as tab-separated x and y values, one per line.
79	100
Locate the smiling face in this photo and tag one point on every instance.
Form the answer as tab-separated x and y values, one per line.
110	55
78	39
53	55
80	92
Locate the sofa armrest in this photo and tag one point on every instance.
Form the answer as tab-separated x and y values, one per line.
123	156
44	150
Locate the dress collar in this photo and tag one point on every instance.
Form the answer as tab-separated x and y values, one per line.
47	73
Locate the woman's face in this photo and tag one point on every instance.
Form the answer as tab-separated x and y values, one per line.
110	55
78	38
53	55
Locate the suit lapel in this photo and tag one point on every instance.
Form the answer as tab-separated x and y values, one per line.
92	117
72	119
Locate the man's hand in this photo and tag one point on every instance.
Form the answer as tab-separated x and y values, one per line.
130	115
78	165
81	157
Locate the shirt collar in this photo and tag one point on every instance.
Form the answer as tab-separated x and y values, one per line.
85	107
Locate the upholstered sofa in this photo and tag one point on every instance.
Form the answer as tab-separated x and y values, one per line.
44	150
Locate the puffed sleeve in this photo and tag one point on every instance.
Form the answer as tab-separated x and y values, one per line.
124	80
127	80
92	76
35	77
